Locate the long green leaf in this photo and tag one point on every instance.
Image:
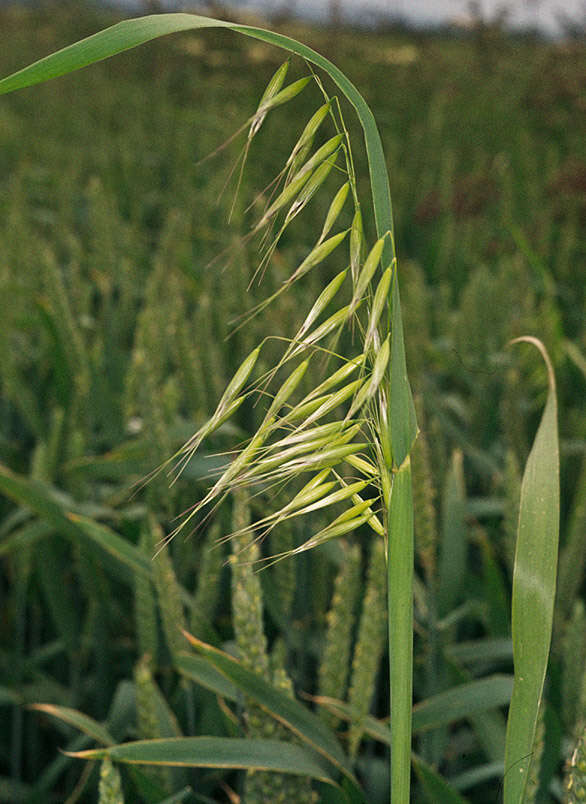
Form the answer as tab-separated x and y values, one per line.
49	505
462	701
217	752
307	726
443	709
197	669
85	724
534	577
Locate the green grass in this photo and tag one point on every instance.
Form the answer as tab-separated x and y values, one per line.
114	352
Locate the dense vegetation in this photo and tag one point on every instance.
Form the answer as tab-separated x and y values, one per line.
120	280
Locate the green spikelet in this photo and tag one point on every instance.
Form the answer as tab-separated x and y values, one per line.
103	248
277	662
145	611
182	343
370	642
335	663
284	572
573	663
575	779
146	375
110	787
55	441
71	339
294	789
322	576
211	562
39	463
247	615
532	789
424	495
154	369
147	694
168	591
246	593
211	360
58	298
512	489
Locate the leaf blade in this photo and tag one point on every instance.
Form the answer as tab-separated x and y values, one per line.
534	581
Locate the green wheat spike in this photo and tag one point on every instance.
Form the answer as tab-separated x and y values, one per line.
168	591
146	711
211	360
370	643
147	717
55	441
247	618
424	496
575	777
211	563
110	787
322	575
145	611
512	488
246	592
56	292
182	345
148	369
103	248
39	463
295	790
284	573
277	662
573	663
341	617
153	375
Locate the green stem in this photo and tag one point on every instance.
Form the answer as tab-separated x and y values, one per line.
400	612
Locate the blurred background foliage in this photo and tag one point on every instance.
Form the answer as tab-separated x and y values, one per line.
114	349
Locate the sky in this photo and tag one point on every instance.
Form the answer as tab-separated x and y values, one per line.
535	13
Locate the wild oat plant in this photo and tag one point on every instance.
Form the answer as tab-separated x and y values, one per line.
334	441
